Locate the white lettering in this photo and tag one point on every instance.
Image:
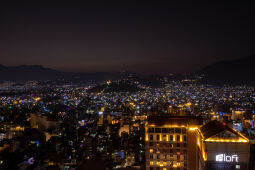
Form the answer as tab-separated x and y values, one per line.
226	158
219	157
235	157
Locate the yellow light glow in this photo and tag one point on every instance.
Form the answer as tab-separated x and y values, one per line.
146	137
193	128
204	156
169	126
198	143
151	150
188	104
246	139
37	98
239	140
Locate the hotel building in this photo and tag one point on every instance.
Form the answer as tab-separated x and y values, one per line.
222	147
170	142
183	142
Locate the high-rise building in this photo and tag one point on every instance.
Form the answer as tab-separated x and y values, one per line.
170	142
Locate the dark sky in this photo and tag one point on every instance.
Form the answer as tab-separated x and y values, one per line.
124	34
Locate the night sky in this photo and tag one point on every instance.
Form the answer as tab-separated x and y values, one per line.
119	35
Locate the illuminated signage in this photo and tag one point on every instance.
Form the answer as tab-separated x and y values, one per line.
31	161
226	158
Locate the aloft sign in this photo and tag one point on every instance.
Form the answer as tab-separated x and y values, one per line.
226	158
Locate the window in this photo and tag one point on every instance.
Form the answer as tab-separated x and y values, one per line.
151	137
185	138
171	130
151	143
178	137
171	137
158	157
164	130
151	156
164	137
157	137
178	145
151	168
178	157
151	130
158	130
177	130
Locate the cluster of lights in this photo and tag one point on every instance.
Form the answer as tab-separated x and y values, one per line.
161	164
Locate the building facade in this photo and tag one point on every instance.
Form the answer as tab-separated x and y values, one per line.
223	147
170	142
183	142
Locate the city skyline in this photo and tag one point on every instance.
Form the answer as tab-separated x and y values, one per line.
127	85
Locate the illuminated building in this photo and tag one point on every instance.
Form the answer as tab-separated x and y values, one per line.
42	122
223	147
100	120
125	129
100	117
237	114
170	142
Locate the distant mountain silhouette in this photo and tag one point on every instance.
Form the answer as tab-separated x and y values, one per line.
30	72
237	72
36	72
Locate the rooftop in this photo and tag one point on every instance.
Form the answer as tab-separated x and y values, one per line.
174	120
